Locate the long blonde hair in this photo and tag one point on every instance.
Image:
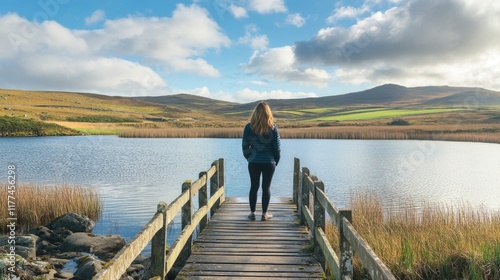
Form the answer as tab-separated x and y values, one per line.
262	119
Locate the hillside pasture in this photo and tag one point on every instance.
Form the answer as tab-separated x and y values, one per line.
380	113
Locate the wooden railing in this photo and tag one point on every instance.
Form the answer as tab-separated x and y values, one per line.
313	203
156	229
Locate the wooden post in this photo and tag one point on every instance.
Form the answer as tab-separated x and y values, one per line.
187	212
346	269
296	177
221	181
214	185
305	193
202	201
319	222
158	246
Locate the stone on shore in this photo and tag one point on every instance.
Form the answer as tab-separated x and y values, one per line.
72	222
104	247
25	245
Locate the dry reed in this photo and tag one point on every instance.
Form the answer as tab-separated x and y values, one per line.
429	242
466	133
38	205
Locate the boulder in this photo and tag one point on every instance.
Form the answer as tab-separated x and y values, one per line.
25	246
72	222
65	275
88	270
104	247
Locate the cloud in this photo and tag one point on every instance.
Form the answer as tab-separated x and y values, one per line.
420	40
115	59
96	17
256	42
267	6
295	19
279	64
248	95
237	11
347	12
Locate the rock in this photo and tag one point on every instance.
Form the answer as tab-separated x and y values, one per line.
104	247
65	275
88	270
140	259
25	246
53	236
57	263
135	268
37	267
48	276
72	222
68	255
46	248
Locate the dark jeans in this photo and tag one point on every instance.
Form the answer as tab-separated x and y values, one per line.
267	171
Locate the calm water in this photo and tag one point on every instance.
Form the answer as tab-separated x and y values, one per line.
132	175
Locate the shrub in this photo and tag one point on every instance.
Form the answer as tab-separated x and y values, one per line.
399	122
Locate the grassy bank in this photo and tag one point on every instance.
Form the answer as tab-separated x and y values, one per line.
14	126
433	242
38	205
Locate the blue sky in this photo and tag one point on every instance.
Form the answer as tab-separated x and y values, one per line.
247	50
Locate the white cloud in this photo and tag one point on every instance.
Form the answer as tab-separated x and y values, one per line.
48	55
255	41
279	64
95	17
237	11
347	12
267	6
295	19
248	95
419	42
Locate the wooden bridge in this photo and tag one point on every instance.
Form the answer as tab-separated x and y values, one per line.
229	246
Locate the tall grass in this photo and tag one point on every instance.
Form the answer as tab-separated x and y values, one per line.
431	242
467	133
38	205
223	132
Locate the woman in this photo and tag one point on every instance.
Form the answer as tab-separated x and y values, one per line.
261	148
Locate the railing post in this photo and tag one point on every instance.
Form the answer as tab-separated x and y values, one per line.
319	222
304	194
202	201
346	269
187	212
158	245
221	181
214	186
296	178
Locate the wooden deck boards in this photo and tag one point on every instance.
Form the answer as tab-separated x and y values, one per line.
233	247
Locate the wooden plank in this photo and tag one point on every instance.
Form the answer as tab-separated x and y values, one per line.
231	246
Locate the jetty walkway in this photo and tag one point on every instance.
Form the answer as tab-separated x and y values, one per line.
218	241
231	246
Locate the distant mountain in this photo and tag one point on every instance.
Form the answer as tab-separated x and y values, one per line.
388	95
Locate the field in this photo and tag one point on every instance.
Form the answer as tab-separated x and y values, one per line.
433	242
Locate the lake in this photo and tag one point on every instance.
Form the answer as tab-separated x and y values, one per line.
133	174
